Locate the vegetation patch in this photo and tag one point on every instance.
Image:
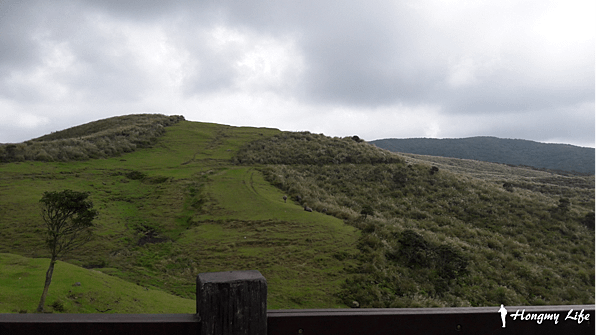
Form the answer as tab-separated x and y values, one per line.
428	234
21	280
99	139
385	230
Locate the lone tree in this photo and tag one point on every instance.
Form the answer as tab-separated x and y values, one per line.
68	216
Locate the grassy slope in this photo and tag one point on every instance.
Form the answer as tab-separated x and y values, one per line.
294	249
22	278
543	186
209	215
522	233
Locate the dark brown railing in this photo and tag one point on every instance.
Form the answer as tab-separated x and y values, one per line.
235	303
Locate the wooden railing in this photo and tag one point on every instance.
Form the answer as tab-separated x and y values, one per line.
235	303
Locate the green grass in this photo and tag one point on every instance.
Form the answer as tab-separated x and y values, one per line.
250	227
200	205
22	282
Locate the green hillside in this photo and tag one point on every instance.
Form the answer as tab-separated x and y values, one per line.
459	233
181	208
78	290
386	230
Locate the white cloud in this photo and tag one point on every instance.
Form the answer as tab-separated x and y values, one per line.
468	71
270	65
26	120
462	73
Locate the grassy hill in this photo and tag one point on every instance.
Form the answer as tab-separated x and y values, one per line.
386	230
99	139
560	157
181	208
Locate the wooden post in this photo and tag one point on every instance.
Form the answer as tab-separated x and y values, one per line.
232	303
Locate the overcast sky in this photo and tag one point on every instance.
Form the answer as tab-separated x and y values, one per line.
376	69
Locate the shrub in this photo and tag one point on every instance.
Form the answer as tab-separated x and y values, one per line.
357	139
400	178
413	249
58	306
369	242
367	210
589	220
449	262
564	204
135	175
43	156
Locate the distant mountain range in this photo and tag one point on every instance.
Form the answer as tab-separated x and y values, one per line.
561	157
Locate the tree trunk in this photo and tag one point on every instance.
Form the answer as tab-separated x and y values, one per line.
46	285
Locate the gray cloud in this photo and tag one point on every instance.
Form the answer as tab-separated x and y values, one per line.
495	69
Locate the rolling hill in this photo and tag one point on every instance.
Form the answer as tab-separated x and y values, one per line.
560	157
385	230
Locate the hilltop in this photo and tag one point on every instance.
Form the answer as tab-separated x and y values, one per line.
99	139
559	157
385	230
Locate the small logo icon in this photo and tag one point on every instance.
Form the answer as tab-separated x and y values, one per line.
503	313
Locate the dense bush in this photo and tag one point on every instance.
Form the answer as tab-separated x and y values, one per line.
590	220
449	262
307	148
413	249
